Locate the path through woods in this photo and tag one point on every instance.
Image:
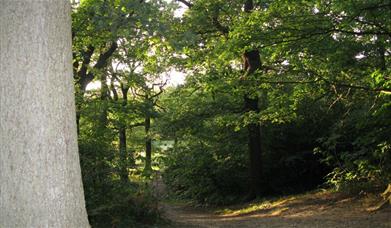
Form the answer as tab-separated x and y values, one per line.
317	210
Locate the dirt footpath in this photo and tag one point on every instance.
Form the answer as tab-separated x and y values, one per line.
316	210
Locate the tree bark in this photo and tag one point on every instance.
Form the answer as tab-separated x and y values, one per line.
84	77
39	163
148	140
255	149
123	153
251	63
148	144
104	108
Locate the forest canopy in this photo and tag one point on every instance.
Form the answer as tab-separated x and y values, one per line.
280	97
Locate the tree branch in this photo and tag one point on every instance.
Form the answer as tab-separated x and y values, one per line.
136	125
186	3
100	64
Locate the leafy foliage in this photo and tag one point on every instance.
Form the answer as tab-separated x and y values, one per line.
322	97
323	87
118	44
207	161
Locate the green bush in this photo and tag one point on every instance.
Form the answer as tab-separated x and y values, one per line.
196	172
110	202
359	149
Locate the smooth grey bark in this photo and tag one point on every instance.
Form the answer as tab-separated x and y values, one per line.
40	178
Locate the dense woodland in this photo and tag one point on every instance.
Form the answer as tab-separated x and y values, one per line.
280	97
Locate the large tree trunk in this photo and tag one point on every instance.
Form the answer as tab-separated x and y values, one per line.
251	63
39	163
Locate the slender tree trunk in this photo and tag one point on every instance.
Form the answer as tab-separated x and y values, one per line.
148	144
78	121
252	62
122	138
104	97
382	54
123	153
39	162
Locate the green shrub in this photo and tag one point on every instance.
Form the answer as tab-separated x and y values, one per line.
110	202
197	173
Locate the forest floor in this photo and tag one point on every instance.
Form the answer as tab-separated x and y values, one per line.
312	210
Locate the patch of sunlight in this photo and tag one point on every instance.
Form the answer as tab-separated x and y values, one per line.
264	205
155	168
279	211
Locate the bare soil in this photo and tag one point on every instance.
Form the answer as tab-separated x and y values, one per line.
312	210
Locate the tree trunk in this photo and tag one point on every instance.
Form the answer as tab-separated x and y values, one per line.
39	162
84	76
122	138
122	153
104	97
251	63
255	150
148	144
385	202
78	116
